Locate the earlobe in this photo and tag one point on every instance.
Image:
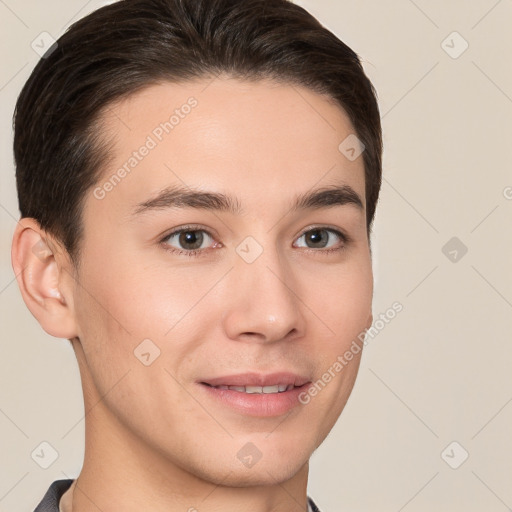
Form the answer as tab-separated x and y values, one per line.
39	278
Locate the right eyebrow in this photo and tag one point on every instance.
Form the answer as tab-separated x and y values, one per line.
182	197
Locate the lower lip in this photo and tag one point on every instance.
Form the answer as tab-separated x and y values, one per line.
258	404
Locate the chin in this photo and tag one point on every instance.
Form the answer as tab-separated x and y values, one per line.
271	469
270	473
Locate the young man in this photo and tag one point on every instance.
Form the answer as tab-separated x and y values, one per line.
197	182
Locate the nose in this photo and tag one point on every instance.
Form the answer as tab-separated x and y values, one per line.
265	303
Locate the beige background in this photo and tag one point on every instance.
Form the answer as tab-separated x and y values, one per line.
440	371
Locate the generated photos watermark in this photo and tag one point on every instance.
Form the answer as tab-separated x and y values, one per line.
152	140
355	347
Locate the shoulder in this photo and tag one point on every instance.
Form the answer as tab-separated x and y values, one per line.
312	505
50	501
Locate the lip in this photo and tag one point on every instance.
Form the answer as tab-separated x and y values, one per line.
257	379
256	404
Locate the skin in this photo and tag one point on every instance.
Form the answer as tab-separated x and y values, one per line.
151	430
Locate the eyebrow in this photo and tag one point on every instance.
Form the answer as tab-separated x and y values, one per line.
187	197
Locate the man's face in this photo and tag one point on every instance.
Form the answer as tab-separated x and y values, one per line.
271	296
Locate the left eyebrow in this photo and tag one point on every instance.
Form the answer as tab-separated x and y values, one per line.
328	197
186	197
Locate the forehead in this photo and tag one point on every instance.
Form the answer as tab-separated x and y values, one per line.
257	139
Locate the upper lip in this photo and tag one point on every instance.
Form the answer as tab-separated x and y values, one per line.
257	379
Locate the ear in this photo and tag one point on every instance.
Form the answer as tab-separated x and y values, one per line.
43	278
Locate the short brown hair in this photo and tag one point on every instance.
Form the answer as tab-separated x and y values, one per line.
131	44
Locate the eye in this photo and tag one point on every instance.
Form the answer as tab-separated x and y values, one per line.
190	240
319	238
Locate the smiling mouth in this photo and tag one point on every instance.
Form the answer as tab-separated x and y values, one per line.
256	389
257	395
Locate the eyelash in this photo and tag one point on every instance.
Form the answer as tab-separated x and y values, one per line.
199	252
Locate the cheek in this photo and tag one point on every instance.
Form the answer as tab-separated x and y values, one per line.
132	301
345	310
125	310
345	303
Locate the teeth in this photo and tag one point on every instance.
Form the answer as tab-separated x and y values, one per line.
253	389
259	389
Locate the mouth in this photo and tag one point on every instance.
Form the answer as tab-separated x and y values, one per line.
267	390
259	395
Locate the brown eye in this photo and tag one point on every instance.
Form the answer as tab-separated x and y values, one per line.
320	238
190	239
187	240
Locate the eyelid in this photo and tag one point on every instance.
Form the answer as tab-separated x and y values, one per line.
187	227
343	235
